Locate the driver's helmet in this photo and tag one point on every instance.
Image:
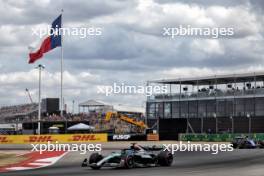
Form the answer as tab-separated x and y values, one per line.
134	146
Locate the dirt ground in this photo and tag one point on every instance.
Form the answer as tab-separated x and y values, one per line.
10	158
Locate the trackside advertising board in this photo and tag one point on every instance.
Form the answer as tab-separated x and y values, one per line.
217	137
66	138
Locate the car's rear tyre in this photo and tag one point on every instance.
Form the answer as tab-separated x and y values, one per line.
94	158
165	158
261	144
129	162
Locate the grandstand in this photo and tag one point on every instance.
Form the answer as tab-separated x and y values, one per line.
97	110
94	113
212	104
26	116
18	113
113	125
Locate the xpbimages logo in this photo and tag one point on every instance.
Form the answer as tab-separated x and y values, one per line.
198	147
131	89
213	32
82	148
82	32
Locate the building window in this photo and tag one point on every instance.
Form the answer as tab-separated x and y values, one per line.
249	107
259	106
151	110
159	110
192	109
202	109
175	109
240	111
221	108
211	108
167	110
230	107
184	109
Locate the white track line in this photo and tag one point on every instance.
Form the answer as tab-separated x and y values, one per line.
40	163
19	168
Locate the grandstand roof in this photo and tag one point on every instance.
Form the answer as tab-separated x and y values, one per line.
119	108
93	103
220	79
81	126
126	108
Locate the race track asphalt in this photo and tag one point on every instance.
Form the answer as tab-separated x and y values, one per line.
243	162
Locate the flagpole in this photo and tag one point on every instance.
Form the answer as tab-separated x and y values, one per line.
61	98
40	67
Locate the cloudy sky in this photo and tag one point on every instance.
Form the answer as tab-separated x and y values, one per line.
131	48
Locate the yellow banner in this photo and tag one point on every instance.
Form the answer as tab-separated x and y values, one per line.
63	138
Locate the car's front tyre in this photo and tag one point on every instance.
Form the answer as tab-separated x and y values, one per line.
95	158
129	162
235	145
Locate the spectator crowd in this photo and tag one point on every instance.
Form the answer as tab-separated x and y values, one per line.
28	113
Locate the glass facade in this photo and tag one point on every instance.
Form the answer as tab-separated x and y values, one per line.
202	109
259	106
167	110
235	107
151	110
159	110
175	109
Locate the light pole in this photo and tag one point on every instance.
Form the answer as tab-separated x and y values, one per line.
232	122
216	123
187	130
249	123
40	67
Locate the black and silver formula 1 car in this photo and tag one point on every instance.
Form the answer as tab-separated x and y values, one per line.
244	142
135	156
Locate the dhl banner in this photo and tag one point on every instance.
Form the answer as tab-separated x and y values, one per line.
64	138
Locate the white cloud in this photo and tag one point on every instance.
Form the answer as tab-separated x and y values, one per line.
150	17
207	46
131	49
